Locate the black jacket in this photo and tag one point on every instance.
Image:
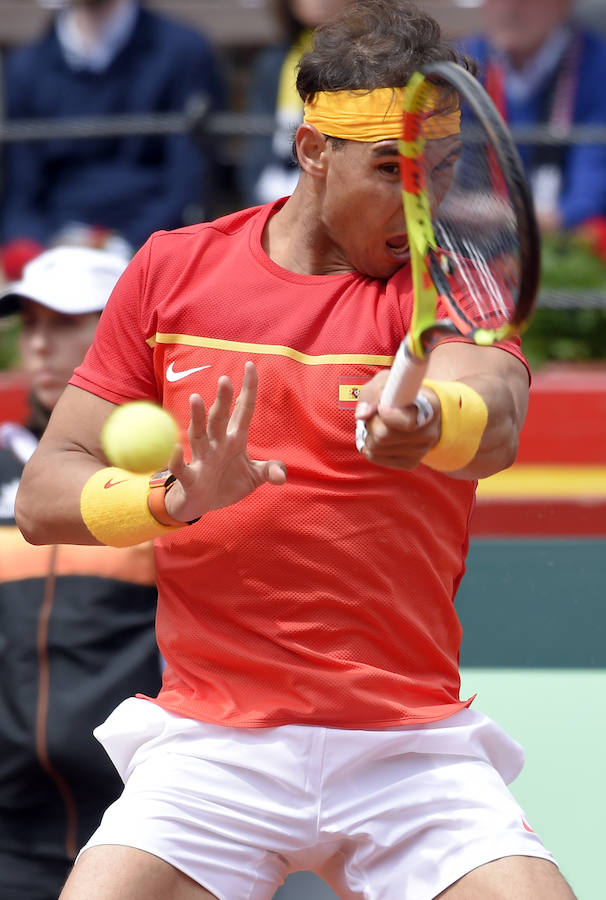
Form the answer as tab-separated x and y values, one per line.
76	638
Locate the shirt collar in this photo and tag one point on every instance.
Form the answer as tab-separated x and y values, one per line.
523	83
111	38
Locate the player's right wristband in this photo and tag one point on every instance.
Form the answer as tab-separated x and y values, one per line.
464	418
114	507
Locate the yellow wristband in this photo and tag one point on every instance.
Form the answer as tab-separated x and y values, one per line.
114	507
464	417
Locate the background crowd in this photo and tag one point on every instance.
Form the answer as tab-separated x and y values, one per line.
543	63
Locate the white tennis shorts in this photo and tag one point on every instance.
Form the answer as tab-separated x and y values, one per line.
380	815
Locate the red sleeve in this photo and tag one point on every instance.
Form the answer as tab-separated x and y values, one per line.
513	346
119	364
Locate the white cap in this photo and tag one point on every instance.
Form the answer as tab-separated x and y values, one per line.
70	280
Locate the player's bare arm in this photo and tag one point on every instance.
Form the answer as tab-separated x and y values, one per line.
48	508
395	440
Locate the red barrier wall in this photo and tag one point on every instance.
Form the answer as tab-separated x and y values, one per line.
13	397
566	420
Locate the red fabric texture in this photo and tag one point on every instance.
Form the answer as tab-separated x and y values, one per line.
329	600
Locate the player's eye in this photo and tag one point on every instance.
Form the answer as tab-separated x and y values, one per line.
391	169
446	164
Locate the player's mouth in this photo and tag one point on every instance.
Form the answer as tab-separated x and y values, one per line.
398	246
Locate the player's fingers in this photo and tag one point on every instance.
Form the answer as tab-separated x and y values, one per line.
370	395
364	410
405	419
218	415
196	432
245	404
176	463
272	471
382	438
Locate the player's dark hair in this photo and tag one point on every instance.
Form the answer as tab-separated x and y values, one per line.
372	44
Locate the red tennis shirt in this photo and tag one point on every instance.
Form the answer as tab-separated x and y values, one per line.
329	600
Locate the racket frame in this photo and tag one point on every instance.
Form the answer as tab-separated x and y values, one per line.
429	282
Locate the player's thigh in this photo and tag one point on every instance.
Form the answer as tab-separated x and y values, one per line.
107	872
511	878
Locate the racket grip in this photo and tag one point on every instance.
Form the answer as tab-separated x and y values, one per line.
405	378
402	389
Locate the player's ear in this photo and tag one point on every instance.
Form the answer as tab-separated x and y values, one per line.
311	150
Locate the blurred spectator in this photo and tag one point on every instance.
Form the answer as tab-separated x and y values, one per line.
15	255
268	169
106	57
76	623
541	68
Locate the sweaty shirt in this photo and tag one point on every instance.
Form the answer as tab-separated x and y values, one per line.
329	600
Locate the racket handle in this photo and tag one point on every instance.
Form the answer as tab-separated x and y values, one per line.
405	377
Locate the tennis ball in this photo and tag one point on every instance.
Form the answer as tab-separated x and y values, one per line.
139	436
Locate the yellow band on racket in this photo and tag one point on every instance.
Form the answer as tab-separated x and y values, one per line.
464	418
114	507
375	115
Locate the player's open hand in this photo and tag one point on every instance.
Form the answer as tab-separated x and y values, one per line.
220	472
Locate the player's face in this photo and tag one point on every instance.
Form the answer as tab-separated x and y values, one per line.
362	210
441	155
52	345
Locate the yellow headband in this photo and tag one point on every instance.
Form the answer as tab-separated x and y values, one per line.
371	115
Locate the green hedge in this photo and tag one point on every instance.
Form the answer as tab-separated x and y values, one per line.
9	352
570	263
565	335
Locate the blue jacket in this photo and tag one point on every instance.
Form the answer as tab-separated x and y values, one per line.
583	166
262	98
133	185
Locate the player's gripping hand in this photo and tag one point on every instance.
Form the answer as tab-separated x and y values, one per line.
220	471
394	437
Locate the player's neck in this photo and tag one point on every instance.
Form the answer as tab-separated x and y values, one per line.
295	242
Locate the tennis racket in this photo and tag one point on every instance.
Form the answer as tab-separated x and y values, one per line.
472	234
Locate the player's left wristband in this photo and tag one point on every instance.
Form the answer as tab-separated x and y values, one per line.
464	418
115	509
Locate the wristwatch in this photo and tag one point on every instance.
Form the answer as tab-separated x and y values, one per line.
159	485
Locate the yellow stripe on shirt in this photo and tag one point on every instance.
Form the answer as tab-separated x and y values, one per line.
307	359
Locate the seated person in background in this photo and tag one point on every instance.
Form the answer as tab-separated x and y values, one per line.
106	57
268	169
541	68
76	623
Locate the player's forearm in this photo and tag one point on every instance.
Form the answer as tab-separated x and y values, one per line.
505	403
47	509
478	397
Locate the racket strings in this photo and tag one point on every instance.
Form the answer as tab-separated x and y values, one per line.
476	230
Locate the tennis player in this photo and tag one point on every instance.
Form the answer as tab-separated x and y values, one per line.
310	715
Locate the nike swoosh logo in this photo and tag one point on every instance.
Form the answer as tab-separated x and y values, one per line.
111	483
171	375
